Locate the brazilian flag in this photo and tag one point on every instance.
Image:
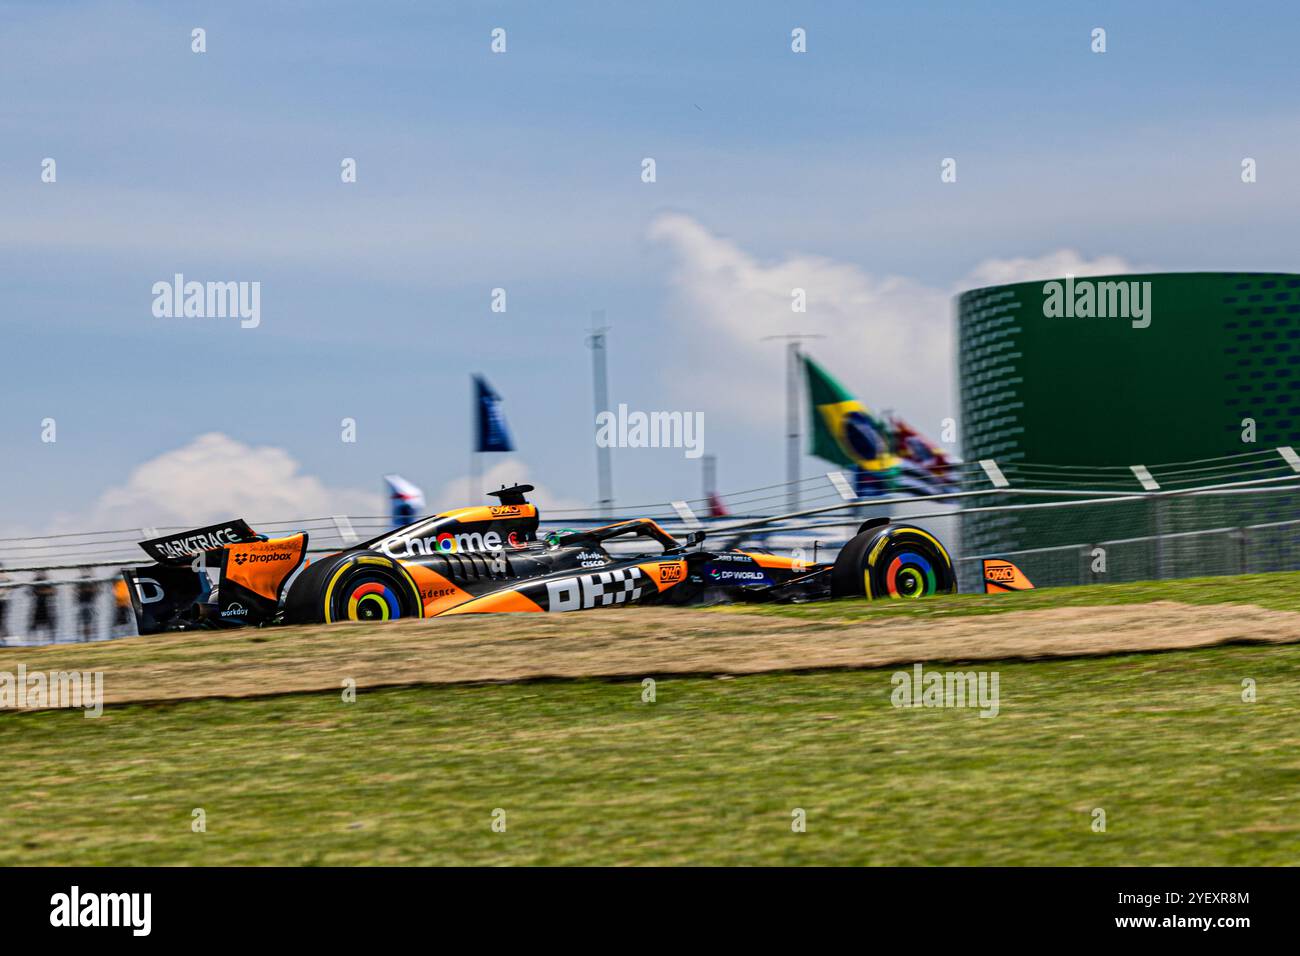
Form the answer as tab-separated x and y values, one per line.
843	430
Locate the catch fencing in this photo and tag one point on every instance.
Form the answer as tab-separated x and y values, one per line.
1203	534
1061	526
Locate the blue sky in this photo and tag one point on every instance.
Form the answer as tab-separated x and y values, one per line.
522	170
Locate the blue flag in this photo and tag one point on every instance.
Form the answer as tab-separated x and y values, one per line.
492	432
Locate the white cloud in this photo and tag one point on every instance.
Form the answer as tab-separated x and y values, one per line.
1053	265
888	339
216	477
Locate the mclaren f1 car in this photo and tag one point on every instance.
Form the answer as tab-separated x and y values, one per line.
490	558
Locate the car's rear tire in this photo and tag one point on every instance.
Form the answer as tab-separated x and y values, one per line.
354	586
897	561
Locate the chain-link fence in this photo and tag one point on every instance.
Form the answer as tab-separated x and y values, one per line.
1181	535
90	605
72	590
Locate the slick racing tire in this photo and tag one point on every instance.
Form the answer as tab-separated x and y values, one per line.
898	561
360	586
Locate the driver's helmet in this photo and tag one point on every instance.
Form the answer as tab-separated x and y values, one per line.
553	538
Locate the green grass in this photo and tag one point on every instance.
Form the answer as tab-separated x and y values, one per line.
708	774
1279	591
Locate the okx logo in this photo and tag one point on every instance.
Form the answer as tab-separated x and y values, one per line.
604	589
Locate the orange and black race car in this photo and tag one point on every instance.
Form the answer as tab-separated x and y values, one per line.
489	558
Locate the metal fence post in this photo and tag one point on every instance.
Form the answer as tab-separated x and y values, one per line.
1159	529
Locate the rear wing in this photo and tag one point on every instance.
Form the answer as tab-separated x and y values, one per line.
220	575
184	546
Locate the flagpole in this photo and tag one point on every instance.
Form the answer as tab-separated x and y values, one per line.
793	375
474	492
600	389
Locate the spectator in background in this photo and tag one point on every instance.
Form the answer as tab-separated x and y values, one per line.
4	607
43	594
87	601
123	617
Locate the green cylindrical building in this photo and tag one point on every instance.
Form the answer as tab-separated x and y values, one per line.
1040	385
1068	382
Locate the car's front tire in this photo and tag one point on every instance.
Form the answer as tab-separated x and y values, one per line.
896	561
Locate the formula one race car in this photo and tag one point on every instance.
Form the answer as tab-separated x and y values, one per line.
490	559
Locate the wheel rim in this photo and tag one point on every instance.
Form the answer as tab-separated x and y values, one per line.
910	575
371	600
